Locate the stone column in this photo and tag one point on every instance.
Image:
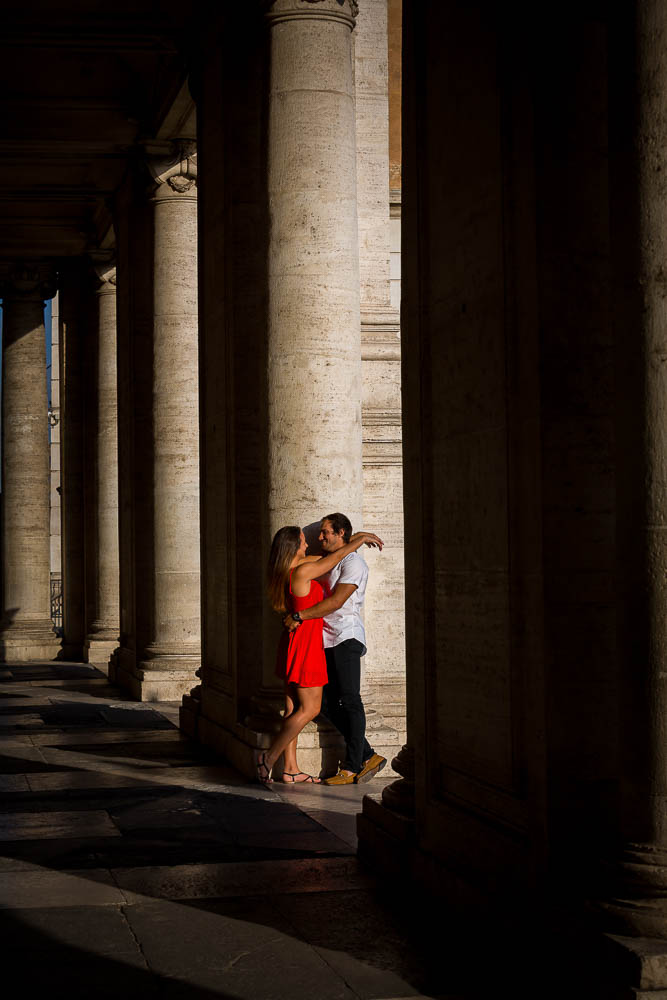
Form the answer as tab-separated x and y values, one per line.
170	658
74	328
233	293
103	616
314	345
314	349
26	630
639	242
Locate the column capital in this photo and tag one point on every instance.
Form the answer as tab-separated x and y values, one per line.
295	10
28	282
173	167
104	268
106	277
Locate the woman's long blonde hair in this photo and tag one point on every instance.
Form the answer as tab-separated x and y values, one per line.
284	547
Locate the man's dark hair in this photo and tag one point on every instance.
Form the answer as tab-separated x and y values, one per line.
340	523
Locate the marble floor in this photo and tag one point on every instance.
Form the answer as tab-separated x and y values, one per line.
134	862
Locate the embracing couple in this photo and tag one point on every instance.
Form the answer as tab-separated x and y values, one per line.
319	656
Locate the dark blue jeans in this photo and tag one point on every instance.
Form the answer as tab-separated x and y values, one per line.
342	704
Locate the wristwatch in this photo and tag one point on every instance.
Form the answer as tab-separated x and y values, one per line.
297	617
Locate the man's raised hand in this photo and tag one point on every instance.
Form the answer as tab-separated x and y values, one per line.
373	541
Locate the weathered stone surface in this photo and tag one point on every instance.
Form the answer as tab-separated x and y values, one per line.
314	352
103	559
384	664
26	630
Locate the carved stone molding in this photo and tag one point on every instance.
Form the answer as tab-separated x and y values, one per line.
175	167
637	887
28	282
294	10
104	266
380	335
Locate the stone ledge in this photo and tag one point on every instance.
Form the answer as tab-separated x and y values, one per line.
642	964
319	747
99	652
152	685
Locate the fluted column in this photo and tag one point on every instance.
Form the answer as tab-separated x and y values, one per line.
26	630
314	344
170	658
103	616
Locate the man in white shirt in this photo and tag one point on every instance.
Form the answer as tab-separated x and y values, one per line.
344	645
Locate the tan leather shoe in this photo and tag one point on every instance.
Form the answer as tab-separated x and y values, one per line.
342	778
371	767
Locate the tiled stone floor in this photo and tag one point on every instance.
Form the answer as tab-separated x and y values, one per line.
135	863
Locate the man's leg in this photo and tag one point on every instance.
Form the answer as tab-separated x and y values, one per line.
347	658
331	707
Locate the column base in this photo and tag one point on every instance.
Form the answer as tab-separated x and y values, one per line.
98	650
386	839
637	886
164	678
637	966
21	643
208	717
386	825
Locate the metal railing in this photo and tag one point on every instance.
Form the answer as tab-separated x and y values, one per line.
57	604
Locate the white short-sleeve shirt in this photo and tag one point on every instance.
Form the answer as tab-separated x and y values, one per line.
346	623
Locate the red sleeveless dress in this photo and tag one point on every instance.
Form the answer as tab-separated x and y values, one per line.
301	657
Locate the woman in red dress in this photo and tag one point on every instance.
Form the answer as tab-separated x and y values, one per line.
292	587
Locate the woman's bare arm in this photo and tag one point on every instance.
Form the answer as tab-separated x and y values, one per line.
310	570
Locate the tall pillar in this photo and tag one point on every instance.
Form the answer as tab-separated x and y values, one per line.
159	658
283	231
74	326
638	879
103	561
26	629
233	293
314	348
314	345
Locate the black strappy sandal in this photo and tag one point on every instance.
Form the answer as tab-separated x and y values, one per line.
293	775
263	771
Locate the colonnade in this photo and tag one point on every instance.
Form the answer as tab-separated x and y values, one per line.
305	345
256	368
285	373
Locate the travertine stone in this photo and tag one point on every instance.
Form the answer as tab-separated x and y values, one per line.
394	17
314	384
372	117
314	349
26	630
384	664
175	643
158	418
54	452
103	616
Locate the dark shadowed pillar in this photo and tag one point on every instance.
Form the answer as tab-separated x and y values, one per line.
102	562
639	233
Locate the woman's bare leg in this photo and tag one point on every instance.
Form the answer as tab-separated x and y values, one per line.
290	763
310	702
